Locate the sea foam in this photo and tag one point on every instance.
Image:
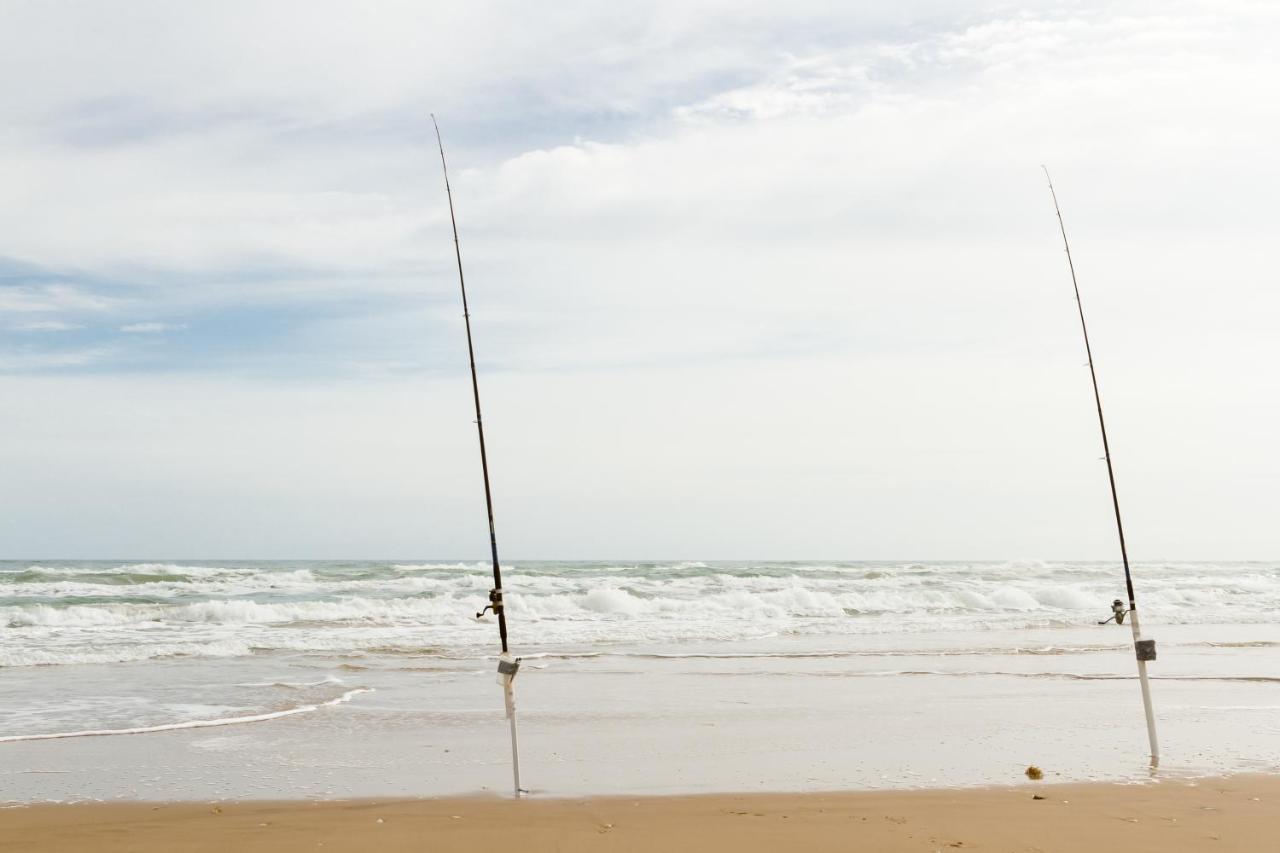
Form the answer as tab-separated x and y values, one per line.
193	724
114	612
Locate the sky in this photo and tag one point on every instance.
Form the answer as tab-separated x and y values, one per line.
748	280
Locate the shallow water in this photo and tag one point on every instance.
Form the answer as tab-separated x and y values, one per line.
354	679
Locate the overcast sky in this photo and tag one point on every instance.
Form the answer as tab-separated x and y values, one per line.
748	280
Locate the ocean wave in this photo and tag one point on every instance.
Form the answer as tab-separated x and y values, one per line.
195	724
437	567
293	685
615	601
170	570
815	590
120	650
238	612
114	612
974	673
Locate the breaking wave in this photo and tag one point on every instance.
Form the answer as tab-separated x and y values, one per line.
114	612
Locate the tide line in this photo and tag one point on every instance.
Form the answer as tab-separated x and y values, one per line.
194	724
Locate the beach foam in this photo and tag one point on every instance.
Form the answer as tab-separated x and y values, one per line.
193	724
100	612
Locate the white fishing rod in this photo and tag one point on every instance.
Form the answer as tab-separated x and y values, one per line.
1144	650
508	665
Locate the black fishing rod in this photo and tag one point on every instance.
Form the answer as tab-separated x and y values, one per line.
507	665
1144	650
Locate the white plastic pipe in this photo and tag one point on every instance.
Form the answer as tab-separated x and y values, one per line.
1146	690
510	696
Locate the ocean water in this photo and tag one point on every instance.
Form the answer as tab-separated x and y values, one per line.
270	679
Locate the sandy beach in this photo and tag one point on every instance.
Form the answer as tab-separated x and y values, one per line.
1240	813
360	713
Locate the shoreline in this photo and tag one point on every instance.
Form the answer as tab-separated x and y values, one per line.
787	714
1232	813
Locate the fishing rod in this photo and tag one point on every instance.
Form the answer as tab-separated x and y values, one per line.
508	665
1144	650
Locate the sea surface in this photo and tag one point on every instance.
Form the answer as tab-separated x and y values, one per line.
211	679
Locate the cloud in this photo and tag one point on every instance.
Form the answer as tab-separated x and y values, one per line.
35	361
151	328
791	270
45	326
228	188
49	298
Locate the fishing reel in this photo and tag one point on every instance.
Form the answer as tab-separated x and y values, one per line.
1118	612
495	604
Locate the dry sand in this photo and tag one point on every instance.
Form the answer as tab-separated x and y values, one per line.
1232	814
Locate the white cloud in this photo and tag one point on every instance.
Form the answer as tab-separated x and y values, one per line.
45	326
151	328
48	298
792	272
22	361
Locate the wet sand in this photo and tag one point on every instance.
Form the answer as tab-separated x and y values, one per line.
779	715
1240	813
